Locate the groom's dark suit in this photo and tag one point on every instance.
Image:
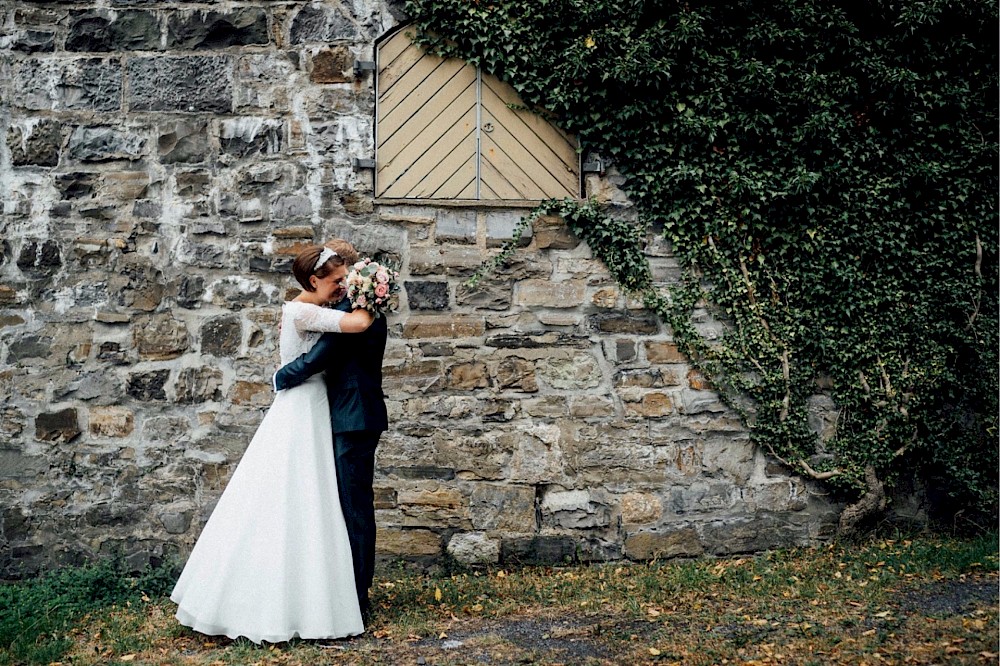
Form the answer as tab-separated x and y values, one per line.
353	365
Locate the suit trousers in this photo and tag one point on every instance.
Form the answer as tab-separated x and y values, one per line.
354	453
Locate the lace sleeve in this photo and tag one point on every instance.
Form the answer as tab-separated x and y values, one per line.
314	318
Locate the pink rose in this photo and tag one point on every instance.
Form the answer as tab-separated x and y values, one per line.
362	301
381	290
382	276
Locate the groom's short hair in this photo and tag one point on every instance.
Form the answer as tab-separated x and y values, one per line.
343	249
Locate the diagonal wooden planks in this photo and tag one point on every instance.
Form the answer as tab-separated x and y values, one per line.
430	147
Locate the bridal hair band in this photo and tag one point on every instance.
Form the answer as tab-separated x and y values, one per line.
326	255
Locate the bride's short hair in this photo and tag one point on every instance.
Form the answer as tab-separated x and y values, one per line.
305	266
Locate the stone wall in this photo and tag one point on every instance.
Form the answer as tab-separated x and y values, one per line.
160	165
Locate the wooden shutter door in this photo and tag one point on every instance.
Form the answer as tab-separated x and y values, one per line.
523	156
425	124
430	147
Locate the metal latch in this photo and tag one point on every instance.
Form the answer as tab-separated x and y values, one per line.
362	66
360	163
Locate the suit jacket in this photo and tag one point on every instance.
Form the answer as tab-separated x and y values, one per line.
353	365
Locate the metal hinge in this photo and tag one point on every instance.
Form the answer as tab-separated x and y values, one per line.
362	66
360	163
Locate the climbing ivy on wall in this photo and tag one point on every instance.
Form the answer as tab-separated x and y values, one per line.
826	173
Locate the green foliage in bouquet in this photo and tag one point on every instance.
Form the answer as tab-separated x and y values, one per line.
826	173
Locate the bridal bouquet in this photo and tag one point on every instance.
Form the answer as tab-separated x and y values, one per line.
374	287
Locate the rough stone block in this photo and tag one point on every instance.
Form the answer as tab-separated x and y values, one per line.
385	498
129	30
426	295
148	386
248	136
35	41
606	297
509	508
646	378
548	294
574	509
624	323
17	465
319	22
175	522
683	542
468	376
89	84
255	394
452	261
183	141
432	326
62	426
198	29
639	508
104	144
433	496
222	336
35	142
663	352
696	381
551	233
125	185
516	373
550	406
195	385
493	294
407	542
697	402
763	531
456	226
334	65
159	337
501	225
421	472
28	346
12	421
703	497
111	422
579	371
474	548
730	457
201	84
539	550
100	388
591	406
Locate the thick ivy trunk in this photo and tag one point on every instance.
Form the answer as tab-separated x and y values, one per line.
871	503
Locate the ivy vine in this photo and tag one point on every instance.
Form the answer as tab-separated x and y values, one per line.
826	173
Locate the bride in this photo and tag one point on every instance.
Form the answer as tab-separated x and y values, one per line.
274	561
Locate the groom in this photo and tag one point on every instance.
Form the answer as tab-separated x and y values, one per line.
353	365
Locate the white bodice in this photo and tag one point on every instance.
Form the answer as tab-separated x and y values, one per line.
301	326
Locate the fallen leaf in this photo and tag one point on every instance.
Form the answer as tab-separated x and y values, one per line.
437	594
654	652
126	657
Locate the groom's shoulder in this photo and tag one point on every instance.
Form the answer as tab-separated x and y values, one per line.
344	305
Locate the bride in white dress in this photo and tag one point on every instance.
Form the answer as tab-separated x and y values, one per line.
274	561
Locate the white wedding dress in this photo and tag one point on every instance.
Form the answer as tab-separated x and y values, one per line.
274	561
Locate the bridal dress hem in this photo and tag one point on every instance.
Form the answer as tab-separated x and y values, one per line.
273	562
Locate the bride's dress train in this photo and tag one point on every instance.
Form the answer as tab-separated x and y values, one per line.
274	561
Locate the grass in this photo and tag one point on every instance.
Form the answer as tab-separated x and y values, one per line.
902	601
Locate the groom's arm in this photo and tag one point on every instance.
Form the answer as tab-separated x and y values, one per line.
314	361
